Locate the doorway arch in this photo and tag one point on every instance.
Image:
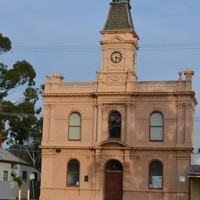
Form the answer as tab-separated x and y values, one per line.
113	180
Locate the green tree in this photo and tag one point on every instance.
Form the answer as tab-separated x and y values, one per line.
19	123
5	44
30	151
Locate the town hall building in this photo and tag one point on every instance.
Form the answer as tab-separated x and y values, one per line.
117	138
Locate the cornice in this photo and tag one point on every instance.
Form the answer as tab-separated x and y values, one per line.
46	95
159	148
96	94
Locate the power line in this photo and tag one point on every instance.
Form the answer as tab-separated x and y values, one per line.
95	48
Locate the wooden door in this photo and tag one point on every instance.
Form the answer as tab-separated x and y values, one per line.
113	184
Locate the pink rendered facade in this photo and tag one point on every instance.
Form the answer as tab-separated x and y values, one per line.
117	138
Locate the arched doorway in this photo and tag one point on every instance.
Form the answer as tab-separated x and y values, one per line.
113	180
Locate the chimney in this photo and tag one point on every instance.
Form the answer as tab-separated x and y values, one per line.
1	141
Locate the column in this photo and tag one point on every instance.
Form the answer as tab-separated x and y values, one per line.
52	123
179	123
128	123
99	123
95	123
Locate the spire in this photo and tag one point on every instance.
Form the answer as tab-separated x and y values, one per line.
119	16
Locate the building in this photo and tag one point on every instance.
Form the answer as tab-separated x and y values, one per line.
194	176
117	138
10	167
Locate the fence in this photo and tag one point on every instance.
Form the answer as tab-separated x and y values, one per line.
9	190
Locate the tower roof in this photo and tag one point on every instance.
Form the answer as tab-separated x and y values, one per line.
119	16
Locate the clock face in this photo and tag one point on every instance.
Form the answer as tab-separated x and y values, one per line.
116	57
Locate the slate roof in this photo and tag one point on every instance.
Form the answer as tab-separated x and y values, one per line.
6	156
119	16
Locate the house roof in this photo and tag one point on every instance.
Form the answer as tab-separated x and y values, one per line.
119	16
194	171
6	156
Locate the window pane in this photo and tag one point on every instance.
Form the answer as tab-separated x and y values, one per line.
114	165
73	166
156	119
156	182
5	175
74	133
156	168
74	126
115	118
156	133
114	124
73	173
155	174
73	179
115	132
24	175
75	119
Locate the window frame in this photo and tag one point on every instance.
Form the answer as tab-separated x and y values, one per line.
74	174
118	127
5	175
24	175
70	134
156	175
156	126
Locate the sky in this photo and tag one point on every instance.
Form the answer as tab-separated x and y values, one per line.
63	37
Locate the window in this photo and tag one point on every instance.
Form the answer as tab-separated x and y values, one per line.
114	124
114	165
74	126
156	126
156	175
35	176
24	175
73	173
5	175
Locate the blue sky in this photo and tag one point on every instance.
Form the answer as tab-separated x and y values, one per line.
63	36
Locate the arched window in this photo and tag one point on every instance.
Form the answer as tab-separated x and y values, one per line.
156	175
156	127
73	173
75	126
114	124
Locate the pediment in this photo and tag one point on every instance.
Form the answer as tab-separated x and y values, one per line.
112	144
116	38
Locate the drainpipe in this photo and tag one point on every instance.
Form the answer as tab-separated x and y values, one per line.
1	141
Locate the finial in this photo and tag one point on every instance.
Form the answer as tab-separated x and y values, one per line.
180	75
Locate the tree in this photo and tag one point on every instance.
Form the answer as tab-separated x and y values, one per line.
5	44
19	123
30	151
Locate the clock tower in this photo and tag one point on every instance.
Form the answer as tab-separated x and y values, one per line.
119	47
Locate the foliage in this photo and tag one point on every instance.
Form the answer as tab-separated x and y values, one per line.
19	123
5	44
21	73
21	118
19	180
30	151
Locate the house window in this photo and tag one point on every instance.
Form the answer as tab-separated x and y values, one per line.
114	124
155	175
5	175
73	173
24	175
74	126
156	127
